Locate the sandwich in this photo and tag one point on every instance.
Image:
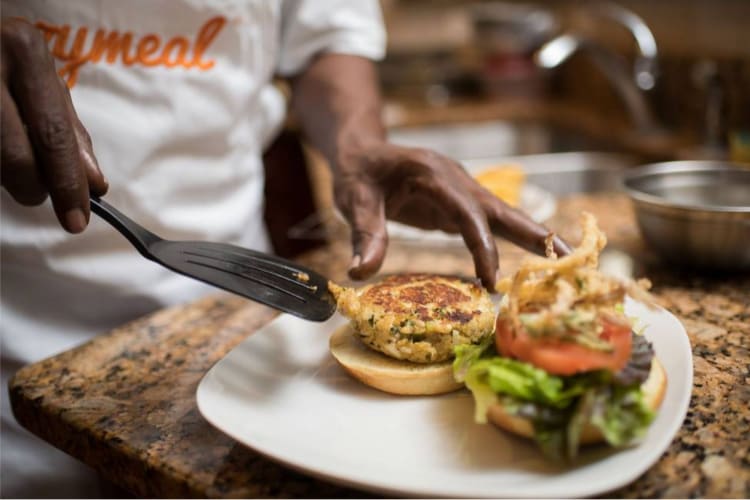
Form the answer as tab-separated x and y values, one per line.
566	366
404	329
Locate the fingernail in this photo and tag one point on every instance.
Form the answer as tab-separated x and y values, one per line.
104	178
101	174
75	220
562	245
356	261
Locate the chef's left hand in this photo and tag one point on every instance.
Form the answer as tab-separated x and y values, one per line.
429	191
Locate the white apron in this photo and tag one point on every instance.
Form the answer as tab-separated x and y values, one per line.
176	97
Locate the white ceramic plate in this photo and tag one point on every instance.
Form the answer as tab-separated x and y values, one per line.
282	394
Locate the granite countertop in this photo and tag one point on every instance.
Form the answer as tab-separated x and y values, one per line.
124	403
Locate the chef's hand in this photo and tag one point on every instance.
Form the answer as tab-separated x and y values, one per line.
337	100
430	191
45	148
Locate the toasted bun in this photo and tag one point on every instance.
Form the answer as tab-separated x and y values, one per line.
653	391
387	374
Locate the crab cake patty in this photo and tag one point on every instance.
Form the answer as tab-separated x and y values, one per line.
418	317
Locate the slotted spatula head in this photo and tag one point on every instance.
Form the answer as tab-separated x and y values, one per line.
270	280
264	278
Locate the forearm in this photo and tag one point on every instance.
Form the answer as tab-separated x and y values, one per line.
338	104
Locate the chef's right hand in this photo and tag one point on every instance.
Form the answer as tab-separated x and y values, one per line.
45	148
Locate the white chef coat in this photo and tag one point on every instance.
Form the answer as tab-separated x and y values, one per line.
176	96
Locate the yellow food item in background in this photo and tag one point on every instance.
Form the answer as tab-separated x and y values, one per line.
504	181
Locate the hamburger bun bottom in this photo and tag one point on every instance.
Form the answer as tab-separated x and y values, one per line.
387	374
653	391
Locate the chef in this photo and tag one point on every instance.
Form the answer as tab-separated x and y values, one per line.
165	107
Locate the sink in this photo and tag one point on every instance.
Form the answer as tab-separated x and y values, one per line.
559	161
494	138
566	173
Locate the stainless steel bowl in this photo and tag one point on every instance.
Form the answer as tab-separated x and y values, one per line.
694	213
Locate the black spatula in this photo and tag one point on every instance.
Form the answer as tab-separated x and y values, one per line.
270	280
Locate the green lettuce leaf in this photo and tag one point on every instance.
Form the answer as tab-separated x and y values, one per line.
621	414
464	370
467	354
558	406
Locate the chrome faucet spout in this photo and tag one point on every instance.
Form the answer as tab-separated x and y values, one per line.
629	85
645	67
555	52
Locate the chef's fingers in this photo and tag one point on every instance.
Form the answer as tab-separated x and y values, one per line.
98	184
517	227
33	83
430	176
472	222
18	171
363	207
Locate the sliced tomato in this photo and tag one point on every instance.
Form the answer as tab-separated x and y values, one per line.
565	358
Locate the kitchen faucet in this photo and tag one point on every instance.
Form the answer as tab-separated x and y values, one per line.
630	84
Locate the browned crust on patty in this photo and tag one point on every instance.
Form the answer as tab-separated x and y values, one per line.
412	294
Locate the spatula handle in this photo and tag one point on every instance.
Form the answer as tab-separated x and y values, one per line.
139	236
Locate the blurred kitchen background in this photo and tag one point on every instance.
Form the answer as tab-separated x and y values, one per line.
668	77
590	87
